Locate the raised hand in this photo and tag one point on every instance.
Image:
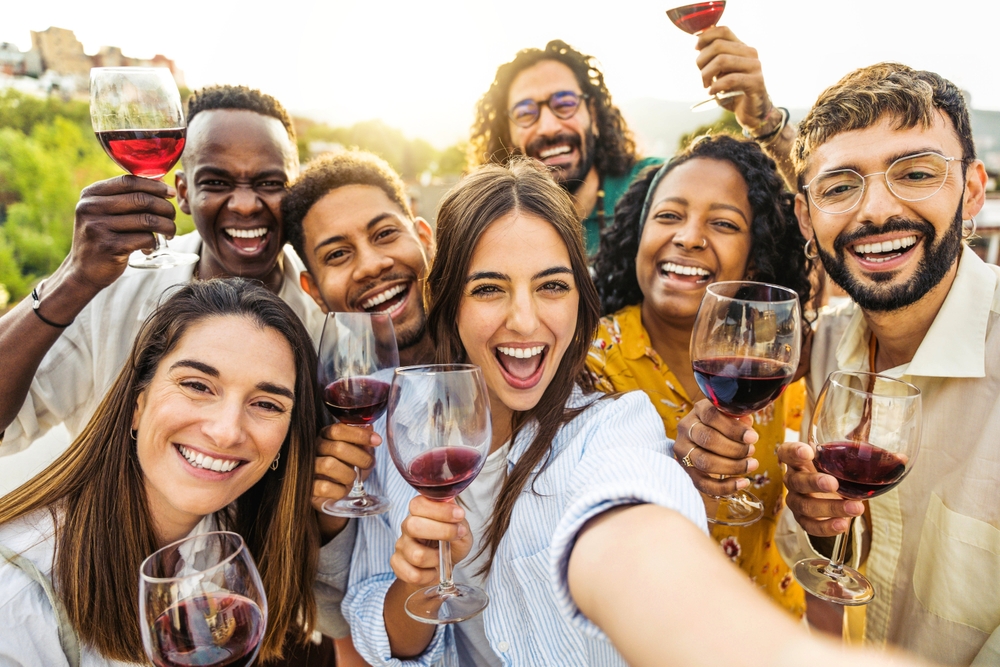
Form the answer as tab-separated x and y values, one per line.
728	65
415	560
339	448
716	444
812	496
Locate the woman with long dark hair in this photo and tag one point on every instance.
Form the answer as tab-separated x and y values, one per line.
716	211
210	425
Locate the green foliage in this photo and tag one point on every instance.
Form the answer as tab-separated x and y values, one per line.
724	124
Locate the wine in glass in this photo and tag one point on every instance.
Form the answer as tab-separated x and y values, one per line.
357	355
438	431
138	119
201	602
865	431
695	19
744	352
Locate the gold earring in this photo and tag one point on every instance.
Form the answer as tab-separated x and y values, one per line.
805	249
972	230
274	463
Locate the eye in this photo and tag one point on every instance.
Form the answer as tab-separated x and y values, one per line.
555	286
269	406
386	234
726	225
335	256
271	185
214	183
667	216
196	385
485	291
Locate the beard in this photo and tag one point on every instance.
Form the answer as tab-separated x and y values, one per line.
409	336
938	259
569	179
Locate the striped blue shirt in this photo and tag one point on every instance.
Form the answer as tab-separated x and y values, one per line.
614	453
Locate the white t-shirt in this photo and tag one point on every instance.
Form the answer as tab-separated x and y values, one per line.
478	500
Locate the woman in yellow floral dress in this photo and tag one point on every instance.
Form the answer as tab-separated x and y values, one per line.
717	211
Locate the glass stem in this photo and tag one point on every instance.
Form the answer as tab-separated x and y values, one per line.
159	242
358	490
447	584
836	566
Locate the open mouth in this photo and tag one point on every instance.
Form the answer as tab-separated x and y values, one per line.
389	300
884	251
694	275
205	462
556	156
522	366
248	241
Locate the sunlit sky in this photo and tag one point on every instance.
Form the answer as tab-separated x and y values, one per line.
421	66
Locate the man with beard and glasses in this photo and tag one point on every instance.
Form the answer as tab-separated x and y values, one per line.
888	180
552	104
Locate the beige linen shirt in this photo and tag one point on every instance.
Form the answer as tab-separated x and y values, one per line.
935	551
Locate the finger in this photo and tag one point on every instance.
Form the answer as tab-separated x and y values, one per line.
751	84
737	430
128	183
111	229
352	455
715	33
356	435
411	574
811	507
822	527
325	489
810	482
334	470
723	65
422	528
710	442
713	464
721	48
797	456
714	486
124	203
436	510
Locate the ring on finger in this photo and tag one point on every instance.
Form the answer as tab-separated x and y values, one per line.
686	461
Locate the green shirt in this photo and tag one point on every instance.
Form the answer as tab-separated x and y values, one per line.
614	187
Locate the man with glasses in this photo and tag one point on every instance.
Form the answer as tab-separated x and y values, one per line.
889	185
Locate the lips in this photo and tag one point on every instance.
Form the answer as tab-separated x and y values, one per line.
885	250
386	299
249	241
685	273
205	463
558	151
521	365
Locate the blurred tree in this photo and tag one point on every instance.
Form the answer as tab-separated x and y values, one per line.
724	124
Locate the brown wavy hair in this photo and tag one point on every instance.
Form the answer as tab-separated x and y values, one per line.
96	493
487	194
490	141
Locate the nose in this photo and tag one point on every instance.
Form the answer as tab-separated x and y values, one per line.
522	314
690	235
244	201
878	203
370	263
224	424
548	123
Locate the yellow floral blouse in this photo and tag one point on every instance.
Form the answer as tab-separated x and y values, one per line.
623	359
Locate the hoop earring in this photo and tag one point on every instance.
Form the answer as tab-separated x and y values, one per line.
972	230
274	463
135	434
805	249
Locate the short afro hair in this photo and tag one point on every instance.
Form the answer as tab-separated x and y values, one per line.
238	98
329	172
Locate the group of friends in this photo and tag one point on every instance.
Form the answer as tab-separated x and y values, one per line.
191	393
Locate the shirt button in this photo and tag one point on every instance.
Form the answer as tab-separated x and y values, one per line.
503	646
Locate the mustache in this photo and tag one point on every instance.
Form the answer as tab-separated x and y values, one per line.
889	226
541	143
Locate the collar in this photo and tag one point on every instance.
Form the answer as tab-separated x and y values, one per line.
955	344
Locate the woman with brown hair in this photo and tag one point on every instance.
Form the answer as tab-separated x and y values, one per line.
210	425
587	536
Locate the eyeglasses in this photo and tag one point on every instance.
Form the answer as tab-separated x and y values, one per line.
563	104
911	178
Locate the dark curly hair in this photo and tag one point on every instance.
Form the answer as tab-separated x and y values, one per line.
329	172
210	98
775	240
491	142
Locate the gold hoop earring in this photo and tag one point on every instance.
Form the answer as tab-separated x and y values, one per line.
805	249
972	230
274	463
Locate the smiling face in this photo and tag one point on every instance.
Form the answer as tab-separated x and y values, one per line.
364	253
518	312
888	253
564	145
236	166
212	419
697	232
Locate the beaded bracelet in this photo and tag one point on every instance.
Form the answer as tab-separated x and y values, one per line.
773	133
37	301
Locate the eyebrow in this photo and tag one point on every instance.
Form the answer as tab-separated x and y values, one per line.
269	387
201	172
495	275
892	158
342	237
712	207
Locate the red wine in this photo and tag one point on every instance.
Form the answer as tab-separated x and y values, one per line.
863	471
741	385
217	629
148	153
697	17
444	472
357	401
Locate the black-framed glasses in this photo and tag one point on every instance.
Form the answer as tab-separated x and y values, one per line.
910	178
563	104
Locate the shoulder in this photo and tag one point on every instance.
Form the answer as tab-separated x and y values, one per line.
625	413
31	537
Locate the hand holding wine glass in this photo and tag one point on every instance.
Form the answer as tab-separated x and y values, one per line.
357	354
201	602
865	432
695	19
439	435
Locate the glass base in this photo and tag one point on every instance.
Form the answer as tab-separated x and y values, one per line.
355	506
739	509
848	587
461	603
163	258
712	102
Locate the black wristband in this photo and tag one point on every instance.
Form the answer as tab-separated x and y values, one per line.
37	301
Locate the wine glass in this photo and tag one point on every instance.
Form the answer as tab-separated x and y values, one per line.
744	352
865	431
138	119
357	354
439	433
201	602
695	19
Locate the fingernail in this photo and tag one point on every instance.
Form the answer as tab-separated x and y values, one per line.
742	483
752	464
375	440
461	530
840	525
171	192
457	513
855	507
751	451
750	437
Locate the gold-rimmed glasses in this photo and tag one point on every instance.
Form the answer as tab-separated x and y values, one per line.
910	178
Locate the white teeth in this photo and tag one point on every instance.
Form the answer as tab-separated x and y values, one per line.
199	460
246	233
521	352
383	297
885	246
558	150
670	267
